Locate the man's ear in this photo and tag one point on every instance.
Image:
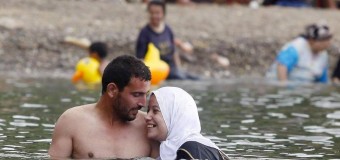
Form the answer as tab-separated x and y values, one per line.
112	90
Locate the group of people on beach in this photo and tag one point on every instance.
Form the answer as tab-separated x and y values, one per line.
156	32
303	59
332	4
114	127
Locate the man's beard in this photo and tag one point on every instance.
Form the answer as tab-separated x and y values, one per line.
122	111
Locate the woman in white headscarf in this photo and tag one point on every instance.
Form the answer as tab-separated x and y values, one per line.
173	120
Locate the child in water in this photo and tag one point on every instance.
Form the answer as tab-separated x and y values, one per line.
90	69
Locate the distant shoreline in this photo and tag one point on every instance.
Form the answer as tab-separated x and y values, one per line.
32	34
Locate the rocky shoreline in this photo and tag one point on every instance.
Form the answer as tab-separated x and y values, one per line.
32	34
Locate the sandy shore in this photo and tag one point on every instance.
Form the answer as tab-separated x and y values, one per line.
32	34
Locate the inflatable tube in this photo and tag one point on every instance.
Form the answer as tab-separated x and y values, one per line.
87	70
158	68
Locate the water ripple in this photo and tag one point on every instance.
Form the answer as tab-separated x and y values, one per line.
30	105
25	117
22	123
311	138
335	115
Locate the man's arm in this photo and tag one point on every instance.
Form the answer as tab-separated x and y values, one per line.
61	146
177	60
286	61
282	72
185	46
336	80
103	65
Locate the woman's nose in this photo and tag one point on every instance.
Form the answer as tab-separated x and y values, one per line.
148	117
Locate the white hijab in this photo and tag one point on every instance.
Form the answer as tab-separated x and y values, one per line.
180	114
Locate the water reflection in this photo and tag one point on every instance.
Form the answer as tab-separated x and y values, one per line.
285	113
334	115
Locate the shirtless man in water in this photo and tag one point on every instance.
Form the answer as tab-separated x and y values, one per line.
113	127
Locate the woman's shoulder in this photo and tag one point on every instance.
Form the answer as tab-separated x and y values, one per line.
196	150
191	145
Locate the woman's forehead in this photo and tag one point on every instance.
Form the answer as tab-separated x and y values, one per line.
153	101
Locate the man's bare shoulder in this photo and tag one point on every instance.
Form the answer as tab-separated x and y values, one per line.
64	130
139	122
142	114
77	109
141	118
74	114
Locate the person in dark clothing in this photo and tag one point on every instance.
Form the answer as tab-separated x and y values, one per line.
173	120
292	3
332	4
336	73
269	2
195	150
164	41
161	35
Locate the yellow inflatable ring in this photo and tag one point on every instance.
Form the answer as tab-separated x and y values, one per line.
87	70
158	68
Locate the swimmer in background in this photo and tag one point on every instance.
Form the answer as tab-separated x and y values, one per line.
305	59
90	69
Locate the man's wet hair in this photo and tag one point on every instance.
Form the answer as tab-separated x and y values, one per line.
122	69
160	3
100	48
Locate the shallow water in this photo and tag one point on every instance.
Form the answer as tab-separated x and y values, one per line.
245	119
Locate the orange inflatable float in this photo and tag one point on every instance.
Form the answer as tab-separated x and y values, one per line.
158	68
87	70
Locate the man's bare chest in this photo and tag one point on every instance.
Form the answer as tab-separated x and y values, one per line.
103	144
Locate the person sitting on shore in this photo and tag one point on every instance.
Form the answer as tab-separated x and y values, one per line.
292	3
336	73
113	127
181	2
90	69
304	59
173	120
161	35
332	4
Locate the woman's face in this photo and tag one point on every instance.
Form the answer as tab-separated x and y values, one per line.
156	15
156	126
318	46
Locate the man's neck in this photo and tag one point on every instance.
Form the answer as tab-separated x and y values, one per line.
106	112
312	49
158	28
95	57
